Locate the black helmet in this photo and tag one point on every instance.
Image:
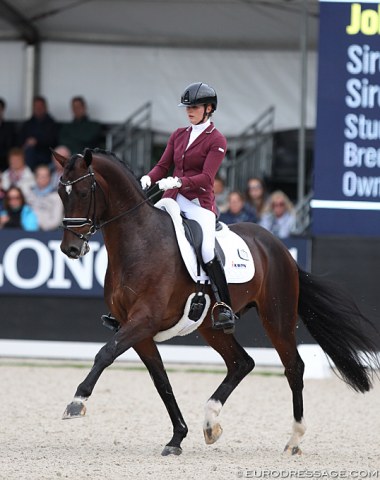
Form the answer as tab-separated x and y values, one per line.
199	94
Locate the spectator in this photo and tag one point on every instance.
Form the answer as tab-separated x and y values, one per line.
237	211
7	137
45	201
16	213
2	192
221	194
38	134
18	174
279	216
81	132
256	196
57	169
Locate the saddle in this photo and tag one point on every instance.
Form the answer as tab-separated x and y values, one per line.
231	249
194	235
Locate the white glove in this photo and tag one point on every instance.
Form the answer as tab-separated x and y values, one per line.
168	183
146	182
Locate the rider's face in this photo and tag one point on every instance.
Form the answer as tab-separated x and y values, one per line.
195	113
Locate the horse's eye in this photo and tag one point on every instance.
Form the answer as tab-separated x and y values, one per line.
83	194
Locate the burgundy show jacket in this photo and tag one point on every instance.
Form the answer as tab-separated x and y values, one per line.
196	166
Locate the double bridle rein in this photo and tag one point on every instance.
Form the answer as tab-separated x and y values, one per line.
70	223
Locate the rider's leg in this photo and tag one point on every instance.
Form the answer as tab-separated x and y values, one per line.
226	318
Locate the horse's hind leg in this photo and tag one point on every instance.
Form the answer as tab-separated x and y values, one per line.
149	354
238	363
281	330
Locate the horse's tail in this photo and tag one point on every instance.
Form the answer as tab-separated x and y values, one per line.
343	332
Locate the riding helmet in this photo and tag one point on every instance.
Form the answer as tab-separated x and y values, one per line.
199	94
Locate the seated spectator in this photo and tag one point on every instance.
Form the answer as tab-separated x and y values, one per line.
237	211
256	196
81	132
16	213
38	134
57	169
7	137
279	215
221	194
2	192
18	174
45	201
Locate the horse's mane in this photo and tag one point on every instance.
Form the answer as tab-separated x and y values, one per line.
112	156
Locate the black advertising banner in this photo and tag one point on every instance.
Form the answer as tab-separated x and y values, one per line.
347	151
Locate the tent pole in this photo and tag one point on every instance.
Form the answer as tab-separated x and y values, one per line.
32	76
302	129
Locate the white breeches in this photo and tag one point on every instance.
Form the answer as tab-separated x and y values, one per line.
206	219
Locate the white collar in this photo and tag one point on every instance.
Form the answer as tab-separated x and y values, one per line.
201	127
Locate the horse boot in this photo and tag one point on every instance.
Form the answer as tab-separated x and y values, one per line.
226	317
110	322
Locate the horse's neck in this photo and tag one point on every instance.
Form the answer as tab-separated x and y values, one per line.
131	233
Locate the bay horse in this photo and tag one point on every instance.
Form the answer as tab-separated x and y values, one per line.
147	285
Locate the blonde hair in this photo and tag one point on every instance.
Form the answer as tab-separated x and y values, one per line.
279	195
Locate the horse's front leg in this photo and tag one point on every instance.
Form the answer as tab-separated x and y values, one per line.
130	333
238	363
149	354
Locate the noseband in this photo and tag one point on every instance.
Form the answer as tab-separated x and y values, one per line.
69	223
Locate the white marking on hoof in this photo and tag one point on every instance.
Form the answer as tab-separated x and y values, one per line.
292	447
211	428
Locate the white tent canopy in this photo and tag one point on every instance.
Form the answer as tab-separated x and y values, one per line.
121	53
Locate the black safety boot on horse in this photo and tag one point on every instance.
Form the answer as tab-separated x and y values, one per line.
226	317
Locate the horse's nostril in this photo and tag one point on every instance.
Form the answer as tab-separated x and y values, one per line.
73	252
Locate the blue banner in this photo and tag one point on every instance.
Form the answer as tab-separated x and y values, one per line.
347	151
31	263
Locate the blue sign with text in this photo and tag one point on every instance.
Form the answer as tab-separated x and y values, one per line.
31	263
347	154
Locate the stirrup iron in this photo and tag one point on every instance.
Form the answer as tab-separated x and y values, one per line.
226	318
110	322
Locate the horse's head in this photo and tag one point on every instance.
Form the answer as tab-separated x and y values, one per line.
82	201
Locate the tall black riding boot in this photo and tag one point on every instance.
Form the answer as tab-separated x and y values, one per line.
226	317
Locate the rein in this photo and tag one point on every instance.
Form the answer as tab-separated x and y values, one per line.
68	223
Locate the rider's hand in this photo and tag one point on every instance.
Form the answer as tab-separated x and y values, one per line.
145	181
168	183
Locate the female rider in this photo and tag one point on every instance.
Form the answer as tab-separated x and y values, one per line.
196	153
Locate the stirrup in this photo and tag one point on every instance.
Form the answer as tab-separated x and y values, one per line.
110	322
226	318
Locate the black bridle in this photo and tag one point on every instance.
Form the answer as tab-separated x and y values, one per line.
69	223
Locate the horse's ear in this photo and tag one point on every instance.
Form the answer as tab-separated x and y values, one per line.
87	156
60	158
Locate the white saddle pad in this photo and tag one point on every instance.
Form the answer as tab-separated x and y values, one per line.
239	266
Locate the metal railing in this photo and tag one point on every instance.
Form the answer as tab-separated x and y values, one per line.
132	140
251	153
303	214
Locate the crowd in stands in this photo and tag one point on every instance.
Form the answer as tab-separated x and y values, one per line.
275	212
29	174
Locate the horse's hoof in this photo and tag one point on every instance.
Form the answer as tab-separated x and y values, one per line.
74	410
288	450
168	450
212	434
